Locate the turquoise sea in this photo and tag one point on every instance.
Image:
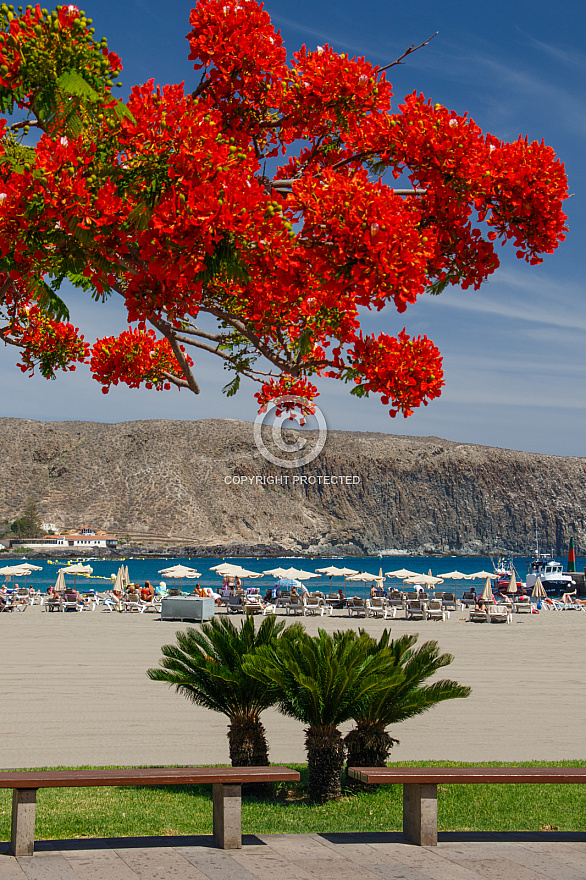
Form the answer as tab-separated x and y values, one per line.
141	569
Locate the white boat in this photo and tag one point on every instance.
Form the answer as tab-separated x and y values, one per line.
552	575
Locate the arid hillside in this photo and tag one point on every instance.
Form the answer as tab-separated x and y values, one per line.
205	485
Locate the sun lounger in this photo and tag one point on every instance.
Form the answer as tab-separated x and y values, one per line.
415	610
294	606
376	606
499	614
475	615
356	606
235	605
313	605
436	611
522	607
133	603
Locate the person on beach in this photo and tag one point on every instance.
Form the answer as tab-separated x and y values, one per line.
572	599
147	593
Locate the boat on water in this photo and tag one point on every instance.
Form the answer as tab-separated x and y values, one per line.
504	568
555	581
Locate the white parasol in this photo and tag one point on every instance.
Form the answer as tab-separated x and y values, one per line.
401	574
487	592
538	591
295	574
179	572
513	583
76	569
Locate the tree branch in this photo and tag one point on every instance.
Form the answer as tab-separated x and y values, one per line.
412	48
169	334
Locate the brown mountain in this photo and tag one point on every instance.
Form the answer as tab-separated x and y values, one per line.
204	485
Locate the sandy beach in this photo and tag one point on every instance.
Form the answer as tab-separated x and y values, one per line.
75	692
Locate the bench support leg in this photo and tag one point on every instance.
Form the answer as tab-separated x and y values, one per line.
227	815
420	813
22	836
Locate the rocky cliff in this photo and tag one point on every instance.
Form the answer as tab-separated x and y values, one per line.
205	485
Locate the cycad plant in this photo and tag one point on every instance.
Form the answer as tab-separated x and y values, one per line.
369	744
206	666
321	681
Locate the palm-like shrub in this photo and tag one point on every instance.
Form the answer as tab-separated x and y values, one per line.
322	681
369	744
206	666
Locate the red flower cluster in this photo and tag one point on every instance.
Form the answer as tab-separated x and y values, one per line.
134	357
165	202
51	345
406	372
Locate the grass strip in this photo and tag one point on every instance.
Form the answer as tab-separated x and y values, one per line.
133	811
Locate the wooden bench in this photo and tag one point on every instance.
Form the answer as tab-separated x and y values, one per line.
226	782
420	788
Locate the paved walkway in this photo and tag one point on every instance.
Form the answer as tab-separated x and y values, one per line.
459	856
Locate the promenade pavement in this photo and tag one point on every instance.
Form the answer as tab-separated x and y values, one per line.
308	857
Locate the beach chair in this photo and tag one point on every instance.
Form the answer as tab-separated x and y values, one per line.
415	610
253	604
468	599
133	603
356	606
499	614
435	610
449	601
295	605
313	605
522	607
70	603
475	615
376	606
235	605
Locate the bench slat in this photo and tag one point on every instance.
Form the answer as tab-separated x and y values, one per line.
468	775
144	776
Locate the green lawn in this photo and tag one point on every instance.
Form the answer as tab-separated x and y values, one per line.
125	812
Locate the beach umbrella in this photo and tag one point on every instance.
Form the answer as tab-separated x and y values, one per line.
59	583
230	570
482	575
428	579
125	575
332	571
76	569
538	591
276	572
298	574
487	592
455	576
512	583
20	570
178	572
366	578
401	574
288	582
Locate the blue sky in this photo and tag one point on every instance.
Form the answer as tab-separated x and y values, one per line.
514	359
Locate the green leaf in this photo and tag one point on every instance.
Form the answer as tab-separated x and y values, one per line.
121	111
232	387
52	304
72	83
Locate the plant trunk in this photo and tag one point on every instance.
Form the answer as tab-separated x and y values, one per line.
248	744
367	746
325	758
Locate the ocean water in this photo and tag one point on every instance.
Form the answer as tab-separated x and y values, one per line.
141	569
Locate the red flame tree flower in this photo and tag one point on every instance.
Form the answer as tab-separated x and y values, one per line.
164	201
